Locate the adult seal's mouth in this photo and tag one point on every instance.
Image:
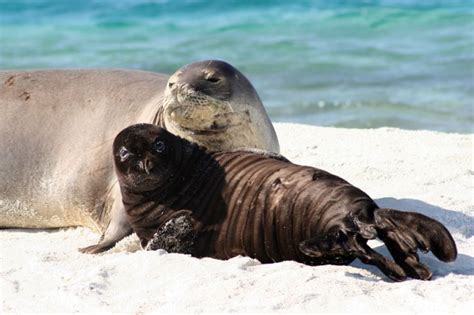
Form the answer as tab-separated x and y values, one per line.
189	118
214	129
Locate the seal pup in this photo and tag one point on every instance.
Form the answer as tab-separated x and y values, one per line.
57	127
245	203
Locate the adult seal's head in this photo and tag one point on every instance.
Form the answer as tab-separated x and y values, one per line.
213	104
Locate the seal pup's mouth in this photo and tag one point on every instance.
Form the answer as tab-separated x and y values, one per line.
146	182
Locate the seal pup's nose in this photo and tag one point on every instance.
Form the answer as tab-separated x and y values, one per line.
146	164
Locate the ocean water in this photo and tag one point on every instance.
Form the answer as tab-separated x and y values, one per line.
364	64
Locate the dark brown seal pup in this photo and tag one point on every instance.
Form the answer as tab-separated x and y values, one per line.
248	203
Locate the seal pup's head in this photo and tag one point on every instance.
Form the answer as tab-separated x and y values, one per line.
146	157
212	103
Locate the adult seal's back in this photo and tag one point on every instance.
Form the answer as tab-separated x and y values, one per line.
57	128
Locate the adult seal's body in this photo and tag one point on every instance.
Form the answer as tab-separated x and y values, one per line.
244	203
57	127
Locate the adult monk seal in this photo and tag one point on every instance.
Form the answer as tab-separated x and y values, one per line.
246	203
57	127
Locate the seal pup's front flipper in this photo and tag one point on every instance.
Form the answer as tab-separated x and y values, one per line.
177	235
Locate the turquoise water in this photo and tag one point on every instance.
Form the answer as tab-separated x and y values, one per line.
407	64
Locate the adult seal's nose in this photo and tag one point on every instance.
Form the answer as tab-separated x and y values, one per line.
172	82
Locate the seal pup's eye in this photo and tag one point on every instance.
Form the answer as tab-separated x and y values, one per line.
124	154
159	146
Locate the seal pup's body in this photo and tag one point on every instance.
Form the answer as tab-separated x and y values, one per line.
246	203
57	127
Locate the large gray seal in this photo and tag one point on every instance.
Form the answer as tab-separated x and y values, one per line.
246	203
57	127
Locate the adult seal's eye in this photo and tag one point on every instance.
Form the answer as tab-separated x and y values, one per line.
213	79
124	154
159	146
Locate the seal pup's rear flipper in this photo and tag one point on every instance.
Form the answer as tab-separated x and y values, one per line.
405	232
341	247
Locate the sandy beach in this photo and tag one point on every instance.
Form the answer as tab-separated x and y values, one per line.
425	171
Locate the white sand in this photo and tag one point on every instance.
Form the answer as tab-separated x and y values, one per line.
422	171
